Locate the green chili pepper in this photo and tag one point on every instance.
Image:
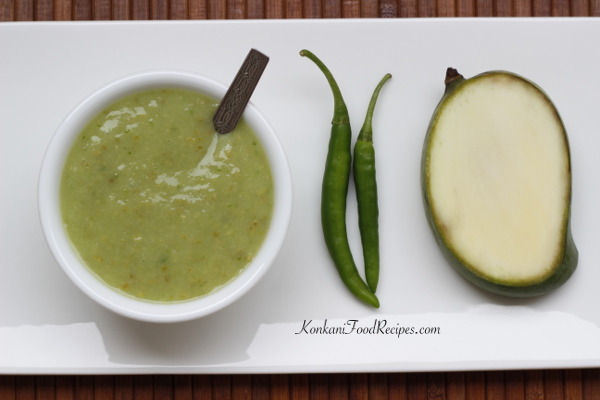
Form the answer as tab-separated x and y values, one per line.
366	192
335	190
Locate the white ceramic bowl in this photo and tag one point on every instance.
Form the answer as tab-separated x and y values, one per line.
63	251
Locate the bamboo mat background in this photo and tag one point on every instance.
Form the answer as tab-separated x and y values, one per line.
493	385
43	10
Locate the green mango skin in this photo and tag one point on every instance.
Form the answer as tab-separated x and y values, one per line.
568	259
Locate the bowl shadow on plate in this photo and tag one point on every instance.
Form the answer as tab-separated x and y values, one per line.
220	338
216	339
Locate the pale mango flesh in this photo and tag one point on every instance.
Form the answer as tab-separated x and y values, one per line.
496	177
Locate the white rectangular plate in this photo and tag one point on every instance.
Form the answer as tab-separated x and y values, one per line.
48	326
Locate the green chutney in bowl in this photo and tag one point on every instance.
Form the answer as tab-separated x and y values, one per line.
159	205
153	213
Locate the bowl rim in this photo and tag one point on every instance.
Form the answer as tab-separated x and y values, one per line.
66	255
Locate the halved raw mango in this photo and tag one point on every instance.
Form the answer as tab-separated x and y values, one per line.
496	181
